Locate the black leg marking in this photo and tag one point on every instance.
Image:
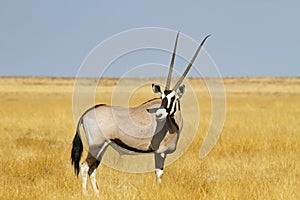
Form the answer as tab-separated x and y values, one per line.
95	156
92	162
159	160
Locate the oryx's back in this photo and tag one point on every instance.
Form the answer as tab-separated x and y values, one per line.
131	125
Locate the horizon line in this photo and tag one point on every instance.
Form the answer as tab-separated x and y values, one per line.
139	77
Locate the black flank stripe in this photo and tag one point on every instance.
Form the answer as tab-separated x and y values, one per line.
125	146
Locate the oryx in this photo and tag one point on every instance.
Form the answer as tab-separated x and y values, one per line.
158	123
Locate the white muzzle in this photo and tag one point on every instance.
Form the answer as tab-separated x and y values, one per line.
161	114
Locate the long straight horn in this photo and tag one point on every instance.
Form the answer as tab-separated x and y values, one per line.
190	64
172	64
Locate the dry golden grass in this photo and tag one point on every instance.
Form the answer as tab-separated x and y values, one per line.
255	158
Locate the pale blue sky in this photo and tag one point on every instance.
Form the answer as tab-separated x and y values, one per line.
253	38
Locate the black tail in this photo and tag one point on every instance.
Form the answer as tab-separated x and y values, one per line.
77	149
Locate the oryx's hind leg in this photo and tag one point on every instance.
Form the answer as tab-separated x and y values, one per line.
91	163
84	173
159	165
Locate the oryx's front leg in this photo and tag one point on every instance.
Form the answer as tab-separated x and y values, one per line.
159	165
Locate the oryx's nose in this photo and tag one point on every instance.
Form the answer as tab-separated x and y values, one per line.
158	115
161	113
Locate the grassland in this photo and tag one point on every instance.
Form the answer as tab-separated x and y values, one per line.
256	157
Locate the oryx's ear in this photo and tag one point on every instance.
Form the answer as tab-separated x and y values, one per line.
152	110
181	90
156	88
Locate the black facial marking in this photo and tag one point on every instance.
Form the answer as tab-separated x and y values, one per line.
164	103
172	102
129	148
172	114
166	92
170	105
